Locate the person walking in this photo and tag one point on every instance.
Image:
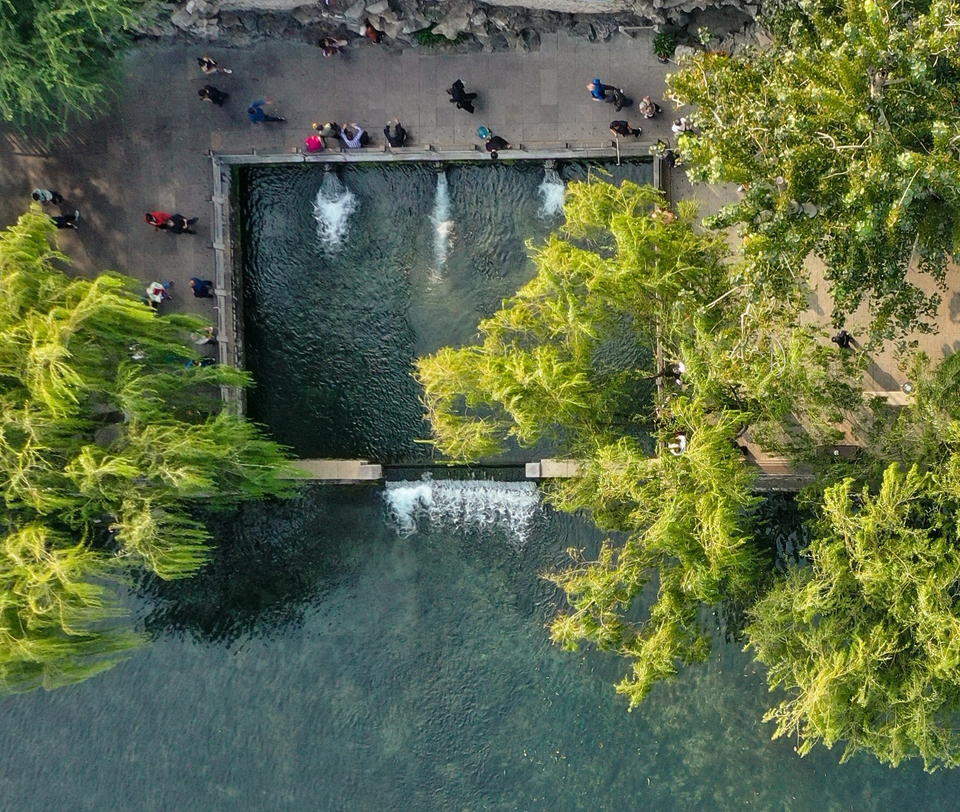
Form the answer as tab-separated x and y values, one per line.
648	108
202	288
210	94
620	99
394	132
623	128
844	340
681	125
256	114
598	90
210	65
459	96
158	292
178	224
354	136
158	219
66	220
45	196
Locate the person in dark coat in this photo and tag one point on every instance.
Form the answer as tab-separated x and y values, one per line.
494	144
459	96
395	134
329	129
66	220
843	340
178	224
213	95
620	100
623	128
202	288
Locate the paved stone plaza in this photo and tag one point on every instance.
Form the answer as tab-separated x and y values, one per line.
148	150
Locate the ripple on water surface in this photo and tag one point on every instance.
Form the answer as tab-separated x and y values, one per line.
349	274
324	660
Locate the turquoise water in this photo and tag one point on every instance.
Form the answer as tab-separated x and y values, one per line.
325	661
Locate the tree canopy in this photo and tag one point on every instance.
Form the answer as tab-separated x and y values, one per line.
866	639
843	135
111	440
637	329
628	290
58	56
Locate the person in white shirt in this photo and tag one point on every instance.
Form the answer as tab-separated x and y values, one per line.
352	136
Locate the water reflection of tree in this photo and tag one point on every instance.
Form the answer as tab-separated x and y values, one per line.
272	562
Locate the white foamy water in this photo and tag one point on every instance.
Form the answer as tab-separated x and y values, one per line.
442	224
464	504
332	208
552	194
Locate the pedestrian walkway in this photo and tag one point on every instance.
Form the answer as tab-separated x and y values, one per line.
149	149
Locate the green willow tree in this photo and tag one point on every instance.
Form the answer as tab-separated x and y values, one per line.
844	133
58	56
864	635
111	442
625	289
866	639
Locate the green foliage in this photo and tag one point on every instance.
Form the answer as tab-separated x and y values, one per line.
689	515
866	640
53	605
58	55
544	368
843	133
664	44
109	445
573	358
428	38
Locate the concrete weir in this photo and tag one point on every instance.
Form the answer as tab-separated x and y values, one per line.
340	471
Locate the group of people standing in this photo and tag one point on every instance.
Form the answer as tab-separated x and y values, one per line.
351	136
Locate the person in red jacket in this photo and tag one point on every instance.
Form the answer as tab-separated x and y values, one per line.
158	219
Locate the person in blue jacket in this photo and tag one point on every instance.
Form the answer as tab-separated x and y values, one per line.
256	115
202	288
598	90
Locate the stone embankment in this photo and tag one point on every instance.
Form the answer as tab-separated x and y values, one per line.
463	25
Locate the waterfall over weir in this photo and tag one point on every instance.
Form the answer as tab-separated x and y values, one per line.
442	224
464	504
332	208
552	193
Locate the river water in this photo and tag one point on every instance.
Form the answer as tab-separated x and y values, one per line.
334	657
383	646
